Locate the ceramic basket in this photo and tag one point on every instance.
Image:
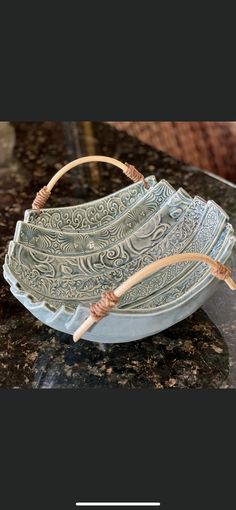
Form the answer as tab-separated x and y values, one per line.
122	267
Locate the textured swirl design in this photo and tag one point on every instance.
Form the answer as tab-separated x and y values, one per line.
168	296
67	284
191	279
120	254
91	216
213	221
58	243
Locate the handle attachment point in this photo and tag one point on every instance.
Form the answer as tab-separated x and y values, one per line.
103	306
134	174
220	271
41	198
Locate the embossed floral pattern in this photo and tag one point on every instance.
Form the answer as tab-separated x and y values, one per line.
211	226
191	278
61	243
93	215
43	277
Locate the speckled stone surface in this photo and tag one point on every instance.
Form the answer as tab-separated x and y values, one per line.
199	352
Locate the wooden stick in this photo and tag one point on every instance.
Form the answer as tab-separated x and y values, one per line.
44	193
219	270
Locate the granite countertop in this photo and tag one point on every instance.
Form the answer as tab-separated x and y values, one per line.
199	352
